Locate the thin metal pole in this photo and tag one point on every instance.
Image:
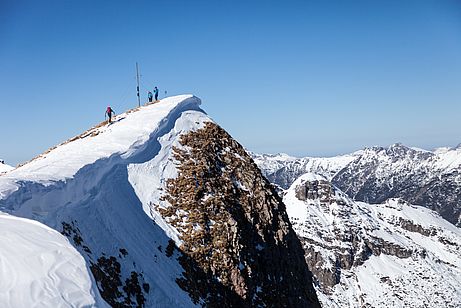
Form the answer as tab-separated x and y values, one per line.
137	79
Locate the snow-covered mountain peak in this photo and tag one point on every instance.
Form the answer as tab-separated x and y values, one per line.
395	151
127	134
448	160
398	145
381	255
400	149
431	179
162	205
276	157
82	189
441	150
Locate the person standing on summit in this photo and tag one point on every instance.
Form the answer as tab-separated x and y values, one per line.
109	113
149	96
156	93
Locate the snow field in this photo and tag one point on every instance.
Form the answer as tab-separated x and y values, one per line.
40	268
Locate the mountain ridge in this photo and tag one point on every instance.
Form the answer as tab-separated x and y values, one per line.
100	190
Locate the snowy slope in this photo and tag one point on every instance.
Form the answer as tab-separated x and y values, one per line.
81	189
40	268
5	167
447	160
383	255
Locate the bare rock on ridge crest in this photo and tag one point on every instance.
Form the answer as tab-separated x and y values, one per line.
239	248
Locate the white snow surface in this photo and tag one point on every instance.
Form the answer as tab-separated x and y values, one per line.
40	268
429	277
106	183
128	133
448	160
5	168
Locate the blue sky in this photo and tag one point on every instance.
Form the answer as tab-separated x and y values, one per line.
315	78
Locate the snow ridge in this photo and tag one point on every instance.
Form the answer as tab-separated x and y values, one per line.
105	190
82	189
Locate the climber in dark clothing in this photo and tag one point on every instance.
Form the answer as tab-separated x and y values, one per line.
149	96
156	93
109	113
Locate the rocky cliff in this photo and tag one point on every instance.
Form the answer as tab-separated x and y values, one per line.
233	227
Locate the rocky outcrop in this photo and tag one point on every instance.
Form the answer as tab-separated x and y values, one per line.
349	241
414	227
238	247
316	189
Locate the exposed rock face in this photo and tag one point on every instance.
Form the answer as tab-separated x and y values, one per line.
238	246
348	242
343	238
317	189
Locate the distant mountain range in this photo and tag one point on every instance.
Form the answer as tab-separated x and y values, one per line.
428	178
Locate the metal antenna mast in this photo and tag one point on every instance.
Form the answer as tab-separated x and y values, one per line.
137	79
